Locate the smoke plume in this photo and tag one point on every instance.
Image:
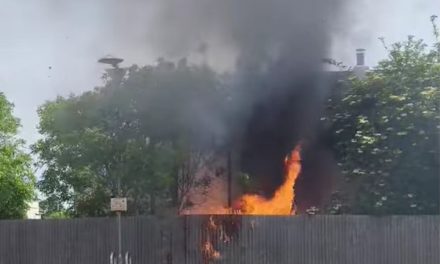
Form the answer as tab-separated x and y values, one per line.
275	50
271	49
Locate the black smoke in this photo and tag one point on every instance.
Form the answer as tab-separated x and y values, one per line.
277	91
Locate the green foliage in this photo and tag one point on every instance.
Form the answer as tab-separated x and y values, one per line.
134	131
16	176
244	182
57	215
385	130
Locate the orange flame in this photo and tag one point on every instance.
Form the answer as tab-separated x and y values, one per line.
282	201
251	204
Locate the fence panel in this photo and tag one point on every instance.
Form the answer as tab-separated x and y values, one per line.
226	239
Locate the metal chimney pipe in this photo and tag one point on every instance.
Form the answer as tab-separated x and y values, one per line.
360	57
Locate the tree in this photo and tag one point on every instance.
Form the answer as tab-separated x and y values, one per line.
385	133
16	175
137	131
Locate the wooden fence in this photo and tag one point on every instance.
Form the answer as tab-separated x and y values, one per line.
233	239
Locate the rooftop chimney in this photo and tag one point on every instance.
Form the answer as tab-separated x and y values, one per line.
360	57
360	70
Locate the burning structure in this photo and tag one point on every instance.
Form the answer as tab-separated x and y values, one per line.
275	99
281	203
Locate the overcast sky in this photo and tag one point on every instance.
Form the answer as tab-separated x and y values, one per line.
50	47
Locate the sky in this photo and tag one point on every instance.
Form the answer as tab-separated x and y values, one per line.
51	47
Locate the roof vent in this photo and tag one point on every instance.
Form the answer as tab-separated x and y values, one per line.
360	57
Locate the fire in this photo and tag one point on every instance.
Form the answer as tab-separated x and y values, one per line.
282	201
208	250
251	204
